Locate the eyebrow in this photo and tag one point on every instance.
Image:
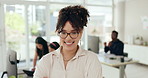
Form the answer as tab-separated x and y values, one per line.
71	30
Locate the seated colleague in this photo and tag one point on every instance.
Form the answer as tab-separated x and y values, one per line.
53	46
115	46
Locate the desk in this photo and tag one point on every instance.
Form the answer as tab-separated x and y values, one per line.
115	62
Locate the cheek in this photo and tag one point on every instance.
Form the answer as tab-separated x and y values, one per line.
78	39
41	47
38	47
61	42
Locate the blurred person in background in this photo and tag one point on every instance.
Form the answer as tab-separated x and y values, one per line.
40	51
53	46
115	46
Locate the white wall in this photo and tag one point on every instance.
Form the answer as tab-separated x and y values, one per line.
134	10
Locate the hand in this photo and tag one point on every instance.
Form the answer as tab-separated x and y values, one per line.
33	69
109	44
105	44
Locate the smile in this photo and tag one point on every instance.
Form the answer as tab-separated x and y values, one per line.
69	43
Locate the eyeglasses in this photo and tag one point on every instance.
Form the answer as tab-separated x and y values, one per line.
64	34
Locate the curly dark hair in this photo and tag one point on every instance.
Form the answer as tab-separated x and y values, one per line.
76	15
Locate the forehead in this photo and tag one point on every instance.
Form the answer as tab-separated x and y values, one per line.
68	27
38	44
114	35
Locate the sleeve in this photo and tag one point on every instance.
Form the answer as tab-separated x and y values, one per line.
94	69
41	69
106	49
120	49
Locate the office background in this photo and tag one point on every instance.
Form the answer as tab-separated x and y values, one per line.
38	18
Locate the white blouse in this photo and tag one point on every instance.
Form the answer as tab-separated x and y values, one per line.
84	64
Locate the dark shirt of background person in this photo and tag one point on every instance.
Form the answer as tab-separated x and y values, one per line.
115	46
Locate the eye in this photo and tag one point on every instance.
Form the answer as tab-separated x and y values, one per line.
63	33
74	33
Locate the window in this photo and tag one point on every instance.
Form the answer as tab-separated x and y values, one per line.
100	2
34	0
54	11
67	1
36	24
100	17
15	29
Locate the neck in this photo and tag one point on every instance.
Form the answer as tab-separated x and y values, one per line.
68	54
114	39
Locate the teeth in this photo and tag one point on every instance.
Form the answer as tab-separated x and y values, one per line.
68	43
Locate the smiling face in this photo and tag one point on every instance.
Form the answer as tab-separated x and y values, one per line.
68	43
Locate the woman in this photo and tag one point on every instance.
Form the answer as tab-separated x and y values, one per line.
53	46
41	49
40	45
70	61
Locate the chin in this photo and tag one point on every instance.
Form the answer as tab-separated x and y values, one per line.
70	47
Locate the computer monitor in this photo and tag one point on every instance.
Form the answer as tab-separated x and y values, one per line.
11	63
93	43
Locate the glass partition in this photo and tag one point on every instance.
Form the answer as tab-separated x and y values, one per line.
36	25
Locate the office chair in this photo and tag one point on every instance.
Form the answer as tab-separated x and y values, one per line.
11	64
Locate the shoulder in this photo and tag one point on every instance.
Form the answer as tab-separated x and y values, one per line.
47	57
90	54
120	42
91	58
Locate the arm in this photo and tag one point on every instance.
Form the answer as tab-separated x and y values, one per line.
40	70
106	49
94	69
43	67
34	60
120	49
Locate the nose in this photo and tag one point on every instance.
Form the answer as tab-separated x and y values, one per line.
68	37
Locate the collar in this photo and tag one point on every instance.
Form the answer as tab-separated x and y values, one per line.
116	40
